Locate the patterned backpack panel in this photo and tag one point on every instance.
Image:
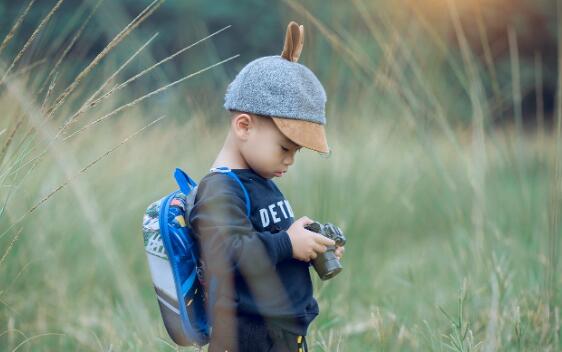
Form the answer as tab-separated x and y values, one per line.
174	265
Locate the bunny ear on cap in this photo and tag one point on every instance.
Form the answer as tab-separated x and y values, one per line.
308	134
294	40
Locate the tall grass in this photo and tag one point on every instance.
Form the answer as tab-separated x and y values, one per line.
453	226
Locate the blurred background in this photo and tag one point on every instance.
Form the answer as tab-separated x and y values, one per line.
443	116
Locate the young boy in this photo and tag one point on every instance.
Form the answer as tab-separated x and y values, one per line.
264	298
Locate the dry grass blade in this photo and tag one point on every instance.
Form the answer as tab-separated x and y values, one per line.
101	237
517	106
439	111
552	273
87	104
19	121
539	102
357	63
30	130
121	143
112	77
147	70
122	107
441	44
516	85
71	44
36	337
406	53
29	67
48	94
15	27
370	21
12	242
487	51
64	184
83	108
114	42
31	39
477	167
146	96
132	103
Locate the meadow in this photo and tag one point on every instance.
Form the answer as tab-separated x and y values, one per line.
452	221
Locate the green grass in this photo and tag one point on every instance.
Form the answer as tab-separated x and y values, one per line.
412	242
453	233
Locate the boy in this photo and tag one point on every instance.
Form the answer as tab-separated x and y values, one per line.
264	298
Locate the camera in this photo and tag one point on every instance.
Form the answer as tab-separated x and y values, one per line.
327	264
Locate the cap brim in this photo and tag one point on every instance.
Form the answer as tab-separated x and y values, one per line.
308	134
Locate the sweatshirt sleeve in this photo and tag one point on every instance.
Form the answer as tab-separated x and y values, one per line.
227	238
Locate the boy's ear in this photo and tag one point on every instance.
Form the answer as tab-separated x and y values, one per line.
242	123
294	41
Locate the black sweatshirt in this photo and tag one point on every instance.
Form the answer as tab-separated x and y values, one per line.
256	251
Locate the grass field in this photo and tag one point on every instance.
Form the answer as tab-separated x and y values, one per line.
453	228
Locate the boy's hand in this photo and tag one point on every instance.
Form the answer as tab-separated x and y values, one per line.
339	252
307	244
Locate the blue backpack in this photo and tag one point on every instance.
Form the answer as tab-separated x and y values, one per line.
175	265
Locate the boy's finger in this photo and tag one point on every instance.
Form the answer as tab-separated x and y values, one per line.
324	240
319	248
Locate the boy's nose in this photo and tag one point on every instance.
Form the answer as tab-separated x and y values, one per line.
289	160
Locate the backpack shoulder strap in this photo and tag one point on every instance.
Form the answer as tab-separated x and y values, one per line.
226	170
183	180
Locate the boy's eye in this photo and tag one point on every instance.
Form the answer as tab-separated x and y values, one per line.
284	149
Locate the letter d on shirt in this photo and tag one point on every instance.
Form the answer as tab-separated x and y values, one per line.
264	217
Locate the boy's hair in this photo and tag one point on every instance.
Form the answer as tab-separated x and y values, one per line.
234	113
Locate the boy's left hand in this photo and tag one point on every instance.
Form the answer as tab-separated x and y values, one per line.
339	252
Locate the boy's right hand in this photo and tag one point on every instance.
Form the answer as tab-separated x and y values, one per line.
307	244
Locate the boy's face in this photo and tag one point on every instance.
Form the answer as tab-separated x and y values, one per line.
266	150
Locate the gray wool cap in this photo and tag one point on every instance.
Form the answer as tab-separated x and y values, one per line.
274	86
